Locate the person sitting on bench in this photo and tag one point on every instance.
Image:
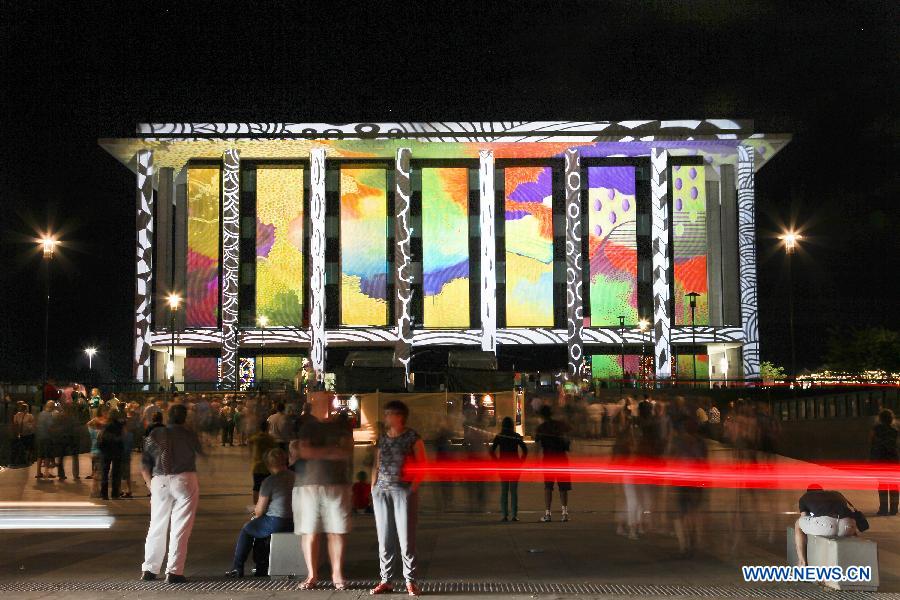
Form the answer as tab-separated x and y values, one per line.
822	512
272	514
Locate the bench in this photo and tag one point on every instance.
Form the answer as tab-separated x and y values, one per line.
285	557
843	552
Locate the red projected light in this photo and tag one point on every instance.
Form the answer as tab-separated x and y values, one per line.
712	474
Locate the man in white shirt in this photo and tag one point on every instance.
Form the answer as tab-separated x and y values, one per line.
281	427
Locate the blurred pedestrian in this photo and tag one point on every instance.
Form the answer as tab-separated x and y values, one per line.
170	471
553	438
226	416
281	427
509	444
883	449
260	444
46	442
111	444
23	435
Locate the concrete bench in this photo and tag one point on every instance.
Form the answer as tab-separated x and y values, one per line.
285	557
843	552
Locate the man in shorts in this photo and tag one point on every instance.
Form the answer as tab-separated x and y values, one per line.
822	512
552	437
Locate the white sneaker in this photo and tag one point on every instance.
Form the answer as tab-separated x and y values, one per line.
546	518
565	517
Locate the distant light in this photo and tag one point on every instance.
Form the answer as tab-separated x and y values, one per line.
487	400
472	400
336	403
263	321
48	243
643	324
353	403
174	301
90	351
790	239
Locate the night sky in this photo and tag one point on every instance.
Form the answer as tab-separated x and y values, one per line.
825	72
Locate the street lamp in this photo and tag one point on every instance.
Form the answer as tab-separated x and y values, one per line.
692	298
643	325
622	350
90	354
263	321
790	239
48	244
174	301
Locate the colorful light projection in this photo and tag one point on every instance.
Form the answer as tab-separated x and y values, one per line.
445	247
612	243
689	243
279	244
609	366
275	368
364	247
529	246
201	369
684	367
203	231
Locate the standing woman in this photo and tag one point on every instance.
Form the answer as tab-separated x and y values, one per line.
45	442
95	426
509	442
227	418
883	449
96	401
395	497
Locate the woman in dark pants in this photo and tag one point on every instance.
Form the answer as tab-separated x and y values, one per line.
509	443
112	446
883	449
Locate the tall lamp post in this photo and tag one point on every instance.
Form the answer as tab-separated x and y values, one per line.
622	350
174	301
48	244
643	325
692	298
790	239
90	354
263	321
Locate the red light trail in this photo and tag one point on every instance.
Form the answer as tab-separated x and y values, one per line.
674	472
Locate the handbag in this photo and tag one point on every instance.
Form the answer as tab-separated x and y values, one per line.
862	523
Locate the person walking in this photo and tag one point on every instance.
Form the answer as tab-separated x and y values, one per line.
23	435
169	468
111	444
260	444
226	415
883	449
395	498
271	514
325	504
552	437
281	427
509	443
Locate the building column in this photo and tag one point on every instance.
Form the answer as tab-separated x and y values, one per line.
746	197
231	232
402	260
574	274
165	191
317	261
659	206
488	251
143	265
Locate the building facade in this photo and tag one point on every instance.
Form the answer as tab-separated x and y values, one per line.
558	245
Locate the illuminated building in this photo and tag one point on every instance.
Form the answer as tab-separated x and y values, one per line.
523	239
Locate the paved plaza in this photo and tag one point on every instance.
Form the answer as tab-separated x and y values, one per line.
463	552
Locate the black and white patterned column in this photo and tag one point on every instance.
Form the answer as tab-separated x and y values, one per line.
231	215
574	274
317	261
660	223
746	197
143	264
488	251
402	261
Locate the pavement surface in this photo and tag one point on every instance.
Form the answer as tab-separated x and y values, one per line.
463	548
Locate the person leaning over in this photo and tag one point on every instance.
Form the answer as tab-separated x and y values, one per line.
823	512
272	514
170	471
395	498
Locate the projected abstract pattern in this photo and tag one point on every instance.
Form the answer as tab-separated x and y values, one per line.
689	242
612	245
279	244
272	368
202	299
363	247
201	369
609	366
684	367
529	246
445	247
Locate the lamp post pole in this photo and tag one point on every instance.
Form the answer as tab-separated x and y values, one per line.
48	243
622	351
174	302
790	239
90	354
263	321
692	297
643	324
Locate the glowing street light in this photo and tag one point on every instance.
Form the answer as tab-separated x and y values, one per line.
49	244
174	301
90	354
790	239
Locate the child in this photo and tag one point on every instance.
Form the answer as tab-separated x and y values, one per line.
362	494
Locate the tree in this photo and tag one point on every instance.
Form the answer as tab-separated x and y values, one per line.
872	349
770	373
